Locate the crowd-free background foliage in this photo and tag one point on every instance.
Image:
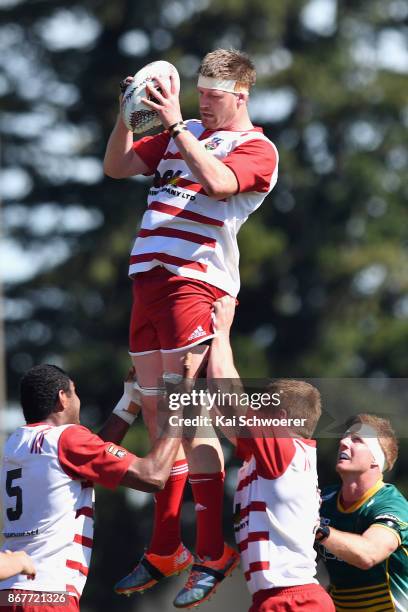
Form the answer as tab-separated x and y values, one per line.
324	262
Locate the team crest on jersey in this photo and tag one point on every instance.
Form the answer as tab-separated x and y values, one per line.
213	143
117	452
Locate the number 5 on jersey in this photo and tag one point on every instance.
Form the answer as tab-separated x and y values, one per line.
13	514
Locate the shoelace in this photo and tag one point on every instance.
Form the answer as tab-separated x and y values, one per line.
194	577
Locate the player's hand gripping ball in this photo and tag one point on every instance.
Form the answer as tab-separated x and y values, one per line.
137	116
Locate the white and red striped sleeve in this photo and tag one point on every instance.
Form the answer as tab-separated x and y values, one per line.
272	455
85	456
151	149
254	163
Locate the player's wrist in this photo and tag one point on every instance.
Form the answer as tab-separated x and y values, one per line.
223	335
131	391
174	124
120	125
128	406
322	533
176	128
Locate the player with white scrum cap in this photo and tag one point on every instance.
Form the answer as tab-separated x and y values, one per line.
363	536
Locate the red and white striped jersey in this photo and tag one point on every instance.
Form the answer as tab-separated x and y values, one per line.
183	228
276	509
48	501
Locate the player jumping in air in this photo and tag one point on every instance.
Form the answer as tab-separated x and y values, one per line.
209	176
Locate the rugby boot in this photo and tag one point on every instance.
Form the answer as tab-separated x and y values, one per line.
153	568
205	576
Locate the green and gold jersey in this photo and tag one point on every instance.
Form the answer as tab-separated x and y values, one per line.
384	587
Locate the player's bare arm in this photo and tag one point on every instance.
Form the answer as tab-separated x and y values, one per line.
114	430
17	562
364	551
124	413
221	363
120	159
216	178
221	372
150	473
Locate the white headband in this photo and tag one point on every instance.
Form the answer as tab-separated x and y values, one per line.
370	438
221	84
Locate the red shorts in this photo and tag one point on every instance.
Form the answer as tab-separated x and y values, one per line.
303	598
169	312
71	603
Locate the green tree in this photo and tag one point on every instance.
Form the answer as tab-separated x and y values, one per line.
324	279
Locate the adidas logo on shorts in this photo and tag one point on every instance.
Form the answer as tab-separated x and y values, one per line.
197	333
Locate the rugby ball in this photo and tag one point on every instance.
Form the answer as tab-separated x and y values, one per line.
138	117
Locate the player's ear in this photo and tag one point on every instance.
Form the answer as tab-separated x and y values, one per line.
242	98
62	401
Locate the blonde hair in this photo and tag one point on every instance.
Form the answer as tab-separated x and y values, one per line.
386	435
229	64
300	400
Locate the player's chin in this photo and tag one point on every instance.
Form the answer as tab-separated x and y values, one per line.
342	465
208	122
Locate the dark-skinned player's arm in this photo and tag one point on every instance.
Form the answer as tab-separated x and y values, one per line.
148	473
